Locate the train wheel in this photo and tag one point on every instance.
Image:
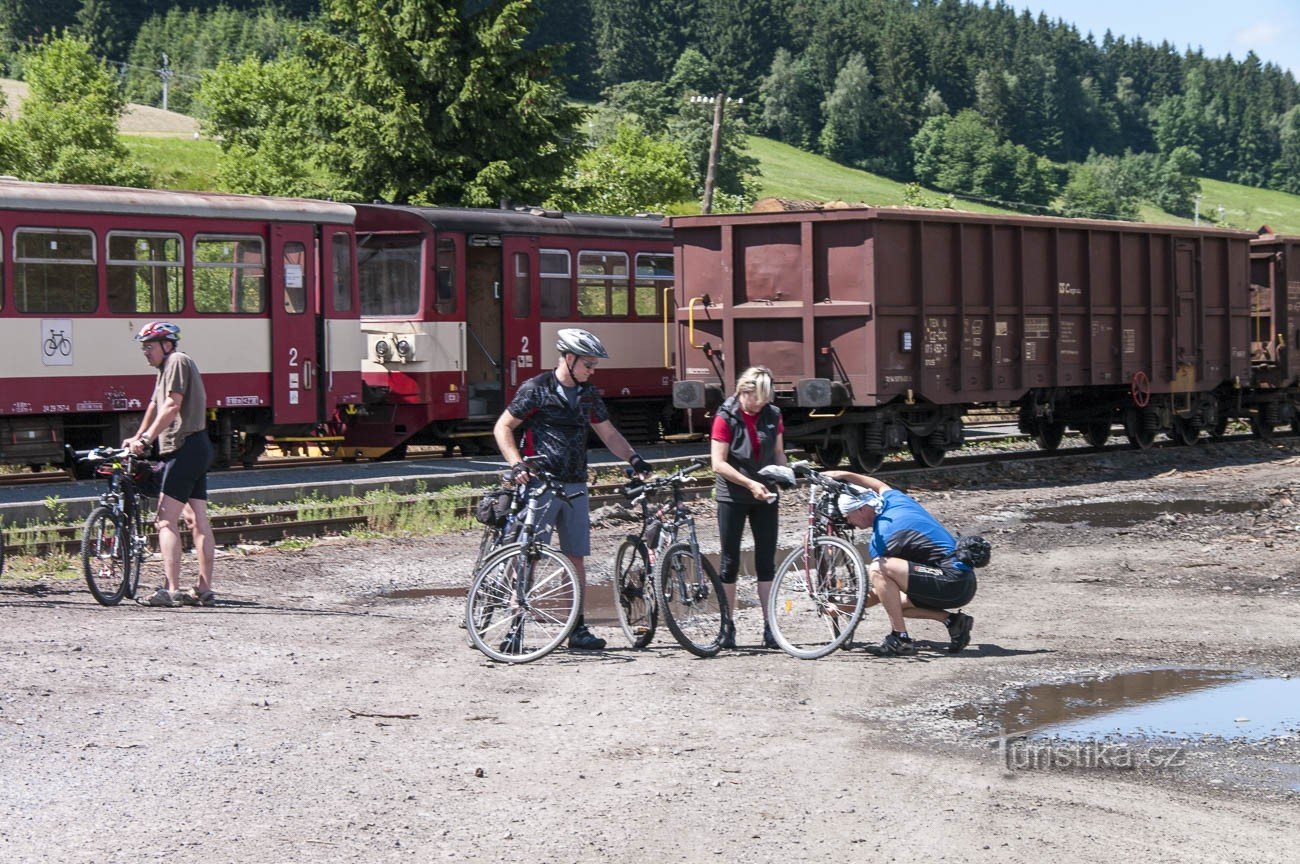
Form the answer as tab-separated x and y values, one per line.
1185	432
1049	435
925	451
1097	434
866	462
1295	422
1220	427
829	455
1260	428
1139	437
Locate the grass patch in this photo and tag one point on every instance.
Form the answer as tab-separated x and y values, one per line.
177	163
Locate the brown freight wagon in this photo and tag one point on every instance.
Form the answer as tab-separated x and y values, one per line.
883	326
1274	393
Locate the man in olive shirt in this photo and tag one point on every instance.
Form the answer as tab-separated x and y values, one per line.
177	419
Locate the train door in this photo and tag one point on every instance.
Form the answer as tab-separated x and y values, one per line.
295	308
484	350
522	330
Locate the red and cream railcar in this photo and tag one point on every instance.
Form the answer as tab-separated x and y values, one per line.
262	288
459	307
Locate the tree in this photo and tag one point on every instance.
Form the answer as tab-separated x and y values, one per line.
67	132
1096	190
849	113
631	173
421	101
1286	170
98	24
789	101
1177	183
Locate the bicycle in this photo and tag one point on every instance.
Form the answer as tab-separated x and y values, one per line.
820	590
688	590
114	541
58	344
525	598
635	597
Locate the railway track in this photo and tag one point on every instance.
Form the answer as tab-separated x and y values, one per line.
317	519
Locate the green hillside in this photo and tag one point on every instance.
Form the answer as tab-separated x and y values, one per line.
792	173
177	163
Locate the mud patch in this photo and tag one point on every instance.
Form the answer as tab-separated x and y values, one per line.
1125	514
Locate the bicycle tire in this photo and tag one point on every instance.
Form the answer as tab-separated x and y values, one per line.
811	622
545	618
139	549
105	555
697	615
634	593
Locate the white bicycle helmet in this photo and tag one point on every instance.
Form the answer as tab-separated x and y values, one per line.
581	343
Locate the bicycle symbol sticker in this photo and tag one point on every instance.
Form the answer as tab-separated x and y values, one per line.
56	342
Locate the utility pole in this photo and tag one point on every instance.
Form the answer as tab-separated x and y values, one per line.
1196	215
165	73
715	145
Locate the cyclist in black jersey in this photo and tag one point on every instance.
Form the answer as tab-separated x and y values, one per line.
554	411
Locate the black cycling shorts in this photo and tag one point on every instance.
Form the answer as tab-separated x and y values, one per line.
185	470
946	586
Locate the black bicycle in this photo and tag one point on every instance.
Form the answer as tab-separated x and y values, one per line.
687	590
635	597
525	598
114	541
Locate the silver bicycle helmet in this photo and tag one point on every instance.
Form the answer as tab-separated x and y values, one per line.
582	343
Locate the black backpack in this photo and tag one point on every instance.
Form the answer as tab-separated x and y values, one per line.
973	550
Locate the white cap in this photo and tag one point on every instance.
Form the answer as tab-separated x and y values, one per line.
866	498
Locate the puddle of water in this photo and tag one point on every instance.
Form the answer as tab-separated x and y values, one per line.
1122	514
1159	703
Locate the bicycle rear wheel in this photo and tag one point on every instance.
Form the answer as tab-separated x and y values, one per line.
634	593
817	598
693	605
522	605
106	555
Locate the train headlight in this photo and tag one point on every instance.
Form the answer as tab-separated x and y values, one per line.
404	349
383	350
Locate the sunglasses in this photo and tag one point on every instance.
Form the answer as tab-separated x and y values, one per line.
590	364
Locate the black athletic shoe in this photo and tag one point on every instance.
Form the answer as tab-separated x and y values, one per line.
959	631
513	643
896	646
769	641
729	635
583	639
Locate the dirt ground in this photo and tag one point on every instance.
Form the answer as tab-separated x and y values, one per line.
311	717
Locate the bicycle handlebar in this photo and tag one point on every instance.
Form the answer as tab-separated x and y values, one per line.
103	454
638	489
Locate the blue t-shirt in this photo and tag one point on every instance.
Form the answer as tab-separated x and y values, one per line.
905	529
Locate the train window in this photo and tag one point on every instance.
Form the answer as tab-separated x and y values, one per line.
444	300
54	270
522	295
556	283
388	274
654	273
295	278
145	273
229	275
602	283
341	249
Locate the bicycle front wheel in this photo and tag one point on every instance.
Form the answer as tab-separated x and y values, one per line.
522	604
817	598
693	605
634	593
106	555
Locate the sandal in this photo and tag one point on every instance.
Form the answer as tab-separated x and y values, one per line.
195	597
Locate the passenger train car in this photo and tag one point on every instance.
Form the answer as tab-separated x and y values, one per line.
264	290
460	306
